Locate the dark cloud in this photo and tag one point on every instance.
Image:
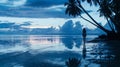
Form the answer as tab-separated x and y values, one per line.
32	12
25	24
44	3
36	9
6	25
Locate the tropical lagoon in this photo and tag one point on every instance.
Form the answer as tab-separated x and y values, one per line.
54	51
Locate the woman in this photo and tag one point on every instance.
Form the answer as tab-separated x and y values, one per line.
84	39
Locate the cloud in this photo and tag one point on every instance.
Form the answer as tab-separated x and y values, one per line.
32	8
32	3
25	24
35	9
32	12
6	25
12	3
3	1
44	3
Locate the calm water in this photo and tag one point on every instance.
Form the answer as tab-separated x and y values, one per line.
54	51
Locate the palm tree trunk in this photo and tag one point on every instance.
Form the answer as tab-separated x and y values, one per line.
112	28
99	26
117	27
88	21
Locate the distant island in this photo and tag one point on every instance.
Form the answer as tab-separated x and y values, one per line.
68	28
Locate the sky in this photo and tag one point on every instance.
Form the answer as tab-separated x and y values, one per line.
42	13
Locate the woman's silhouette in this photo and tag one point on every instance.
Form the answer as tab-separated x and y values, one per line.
84	39
84	34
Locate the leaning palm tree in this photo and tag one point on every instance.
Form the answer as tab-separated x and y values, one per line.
75	8
110	9
105	11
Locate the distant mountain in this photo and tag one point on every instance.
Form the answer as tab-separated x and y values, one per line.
97	30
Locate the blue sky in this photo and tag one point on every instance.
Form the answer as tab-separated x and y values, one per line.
41	13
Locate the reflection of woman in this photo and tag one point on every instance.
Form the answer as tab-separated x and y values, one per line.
84	39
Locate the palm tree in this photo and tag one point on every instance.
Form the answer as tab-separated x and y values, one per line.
106	12
73	5
115	7
110	9
72	9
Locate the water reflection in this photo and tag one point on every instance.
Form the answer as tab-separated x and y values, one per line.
44	40
102	54
71	41
40	42
68	41
73	62
11	43
55	50
84	51
106	54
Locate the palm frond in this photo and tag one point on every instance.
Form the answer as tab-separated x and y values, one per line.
72	8
104	8
91	2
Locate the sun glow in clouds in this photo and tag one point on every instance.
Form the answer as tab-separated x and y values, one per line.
47	22
35	26
19	2
3	1
57	8
12	3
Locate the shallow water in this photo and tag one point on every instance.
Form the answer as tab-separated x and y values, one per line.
51	51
